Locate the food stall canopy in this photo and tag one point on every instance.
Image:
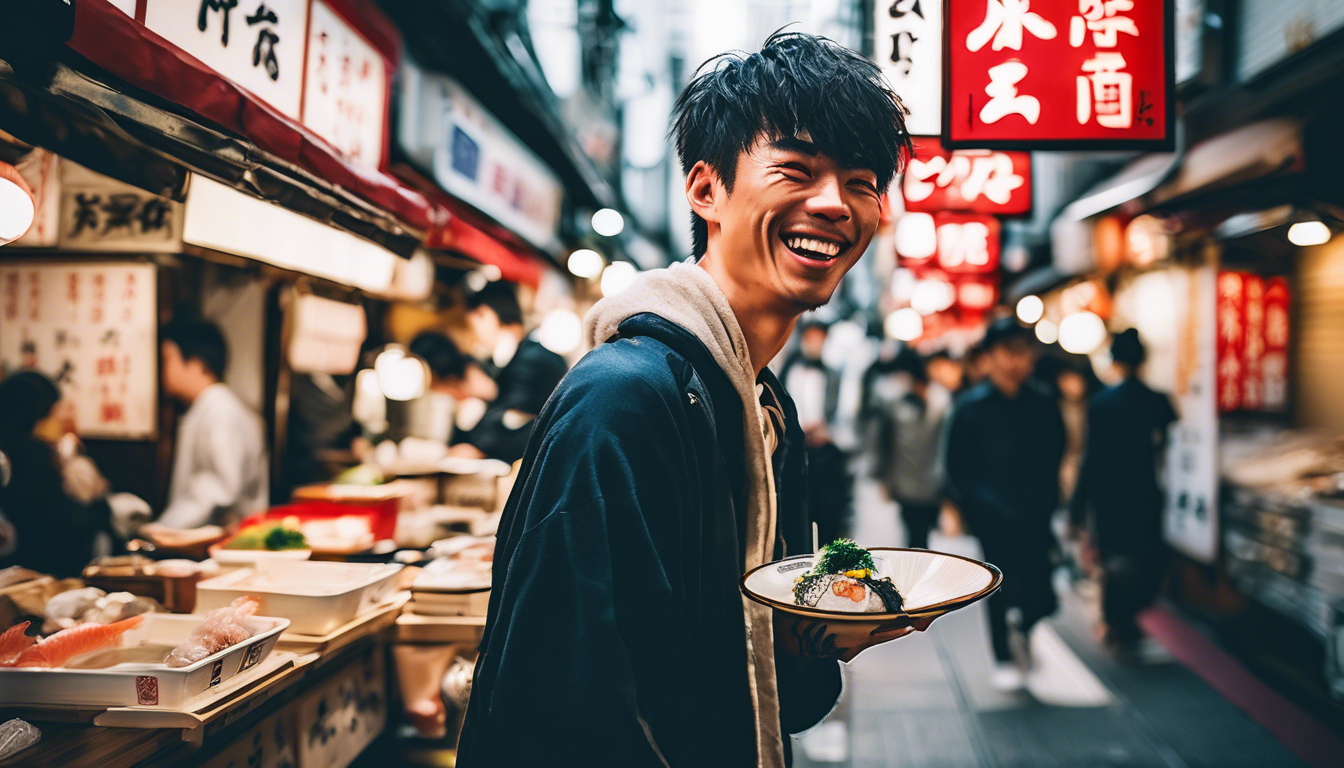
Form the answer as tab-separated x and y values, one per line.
277	147
1071	240
461	237
1250	152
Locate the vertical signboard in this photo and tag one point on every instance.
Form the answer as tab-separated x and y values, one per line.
91	328
909	39
1274	364
1190	523
345	95
1059	74
258	44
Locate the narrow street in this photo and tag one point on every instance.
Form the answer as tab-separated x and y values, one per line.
926	700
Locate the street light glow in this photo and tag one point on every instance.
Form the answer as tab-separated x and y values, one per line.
904	324
1305	233
1082	333
618	276
586	263
16	211
1030	309
608	222
1047	332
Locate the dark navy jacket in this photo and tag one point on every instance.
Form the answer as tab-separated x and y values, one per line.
615	634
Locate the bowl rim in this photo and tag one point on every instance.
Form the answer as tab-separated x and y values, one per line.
995	581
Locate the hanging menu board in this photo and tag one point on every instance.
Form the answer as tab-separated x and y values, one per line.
91	328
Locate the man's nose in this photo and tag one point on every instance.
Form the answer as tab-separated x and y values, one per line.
828	200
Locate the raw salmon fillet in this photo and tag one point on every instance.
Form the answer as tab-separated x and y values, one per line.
222	628
12	643
63	646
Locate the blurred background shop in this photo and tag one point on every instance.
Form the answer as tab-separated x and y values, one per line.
348	190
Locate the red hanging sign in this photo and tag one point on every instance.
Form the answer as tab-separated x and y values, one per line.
1231	339
968	243
1059	74
977	180
1274	363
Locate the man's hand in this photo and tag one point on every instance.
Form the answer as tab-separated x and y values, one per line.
822	639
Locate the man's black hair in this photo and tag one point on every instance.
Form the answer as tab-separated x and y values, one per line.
1005	330
909	361
439	352
502	299
798	82
1127	347
201	340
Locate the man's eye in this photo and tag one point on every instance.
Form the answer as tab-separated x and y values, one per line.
865	185
797	168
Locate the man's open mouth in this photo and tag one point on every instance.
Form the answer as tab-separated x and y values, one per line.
814	248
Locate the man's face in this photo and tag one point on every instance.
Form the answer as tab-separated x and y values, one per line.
484	324
795	222
1013	360
946	372
174	368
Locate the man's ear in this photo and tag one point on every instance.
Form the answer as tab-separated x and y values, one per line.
703	188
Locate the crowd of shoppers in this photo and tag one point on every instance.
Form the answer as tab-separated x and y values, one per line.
1003	439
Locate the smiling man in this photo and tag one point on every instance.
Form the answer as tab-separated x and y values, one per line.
670	460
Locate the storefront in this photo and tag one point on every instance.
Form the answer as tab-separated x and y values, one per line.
237	164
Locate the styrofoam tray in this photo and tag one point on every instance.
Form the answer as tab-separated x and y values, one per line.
143	684
317	597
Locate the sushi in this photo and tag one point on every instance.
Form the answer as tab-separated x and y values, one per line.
223	628
63	646
13	642
844	578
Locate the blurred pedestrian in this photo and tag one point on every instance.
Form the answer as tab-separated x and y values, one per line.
912	430
56	500
221	473
815	388
1119	493
946	371
977	365
527	374
1004	447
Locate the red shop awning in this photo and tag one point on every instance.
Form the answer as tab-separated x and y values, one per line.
118	44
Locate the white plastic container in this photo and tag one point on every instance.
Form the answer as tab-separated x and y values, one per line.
317	597
143	684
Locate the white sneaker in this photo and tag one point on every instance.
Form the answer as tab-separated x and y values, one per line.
1007	677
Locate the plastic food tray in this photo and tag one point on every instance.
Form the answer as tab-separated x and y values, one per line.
317	597
147	685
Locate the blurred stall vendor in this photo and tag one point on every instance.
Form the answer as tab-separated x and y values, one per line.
56	499
528	374
219	462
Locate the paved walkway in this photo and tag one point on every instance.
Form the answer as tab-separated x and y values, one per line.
925	700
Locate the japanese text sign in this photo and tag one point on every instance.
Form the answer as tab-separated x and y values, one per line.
1252	362
91	328
909	39
258	44
1058	74
978	180
968	243
345	95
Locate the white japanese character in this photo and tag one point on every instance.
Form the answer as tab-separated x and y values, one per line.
1004	98
1100	17
1110	89
921	178
1004	22
991	175
963	244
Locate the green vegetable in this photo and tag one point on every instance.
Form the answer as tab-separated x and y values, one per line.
281	537
842	555
274	537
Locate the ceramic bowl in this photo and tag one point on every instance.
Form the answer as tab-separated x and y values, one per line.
931	583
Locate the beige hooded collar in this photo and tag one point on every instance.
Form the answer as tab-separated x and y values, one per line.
687	295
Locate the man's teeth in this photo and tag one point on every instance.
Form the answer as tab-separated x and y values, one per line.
830	250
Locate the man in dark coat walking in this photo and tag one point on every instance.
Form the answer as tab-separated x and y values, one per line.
1004	448
669	460
1118	489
